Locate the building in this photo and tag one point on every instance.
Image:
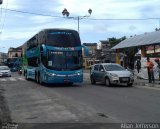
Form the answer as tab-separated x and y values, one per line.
15	52
3	57
14	57
90	58
107	54
148	45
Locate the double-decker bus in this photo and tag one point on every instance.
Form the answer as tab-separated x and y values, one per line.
53	56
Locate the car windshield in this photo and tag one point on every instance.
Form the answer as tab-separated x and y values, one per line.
113	67
4	68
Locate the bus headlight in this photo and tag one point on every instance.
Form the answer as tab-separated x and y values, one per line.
78	74
51	74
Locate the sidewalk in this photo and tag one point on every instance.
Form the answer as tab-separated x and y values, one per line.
137	81
144	82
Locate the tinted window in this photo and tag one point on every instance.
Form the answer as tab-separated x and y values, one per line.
113	67
33	61
96	67
71	60
101	68
63	38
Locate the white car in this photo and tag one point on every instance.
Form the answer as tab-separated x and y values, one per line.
5	71
111	73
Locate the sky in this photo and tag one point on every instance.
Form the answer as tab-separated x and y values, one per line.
21	19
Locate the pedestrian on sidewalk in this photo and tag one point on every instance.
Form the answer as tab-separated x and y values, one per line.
158	66
149	65
138	65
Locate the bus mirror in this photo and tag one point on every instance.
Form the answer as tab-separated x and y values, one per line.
43	52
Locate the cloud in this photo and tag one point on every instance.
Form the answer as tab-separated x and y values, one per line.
41	19
20	27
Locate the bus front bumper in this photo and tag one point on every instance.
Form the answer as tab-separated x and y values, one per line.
63	79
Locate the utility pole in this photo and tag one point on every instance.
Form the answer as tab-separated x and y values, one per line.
66	13
1	1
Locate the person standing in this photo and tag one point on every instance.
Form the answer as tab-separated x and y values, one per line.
149	66
138	65
158	66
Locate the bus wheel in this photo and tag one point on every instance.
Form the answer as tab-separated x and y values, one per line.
26	75
40	79
37	78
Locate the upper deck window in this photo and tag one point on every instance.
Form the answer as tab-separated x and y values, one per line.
61	38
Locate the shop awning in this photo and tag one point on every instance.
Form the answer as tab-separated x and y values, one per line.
140	40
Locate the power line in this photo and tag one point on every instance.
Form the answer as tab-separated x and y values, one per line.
125	19
13	10
32	13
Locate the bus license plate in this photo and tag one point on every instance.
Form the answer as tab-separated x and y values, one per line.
66	81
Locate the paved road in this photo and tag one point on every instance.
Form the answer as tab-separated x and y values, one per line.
31	103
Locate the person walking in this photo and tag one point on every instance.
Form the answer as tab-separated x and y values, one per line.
149	66
138	65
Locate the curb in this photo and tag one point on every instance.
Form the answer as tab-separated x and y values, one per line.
156	85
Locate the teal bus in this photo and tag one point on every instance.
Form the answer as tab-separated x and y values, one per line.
53	56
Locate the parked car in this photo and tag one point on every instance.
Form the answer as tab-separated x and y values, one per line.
111	73
5	71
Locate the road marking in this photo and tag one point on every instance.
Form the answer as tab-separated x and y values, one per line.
12	79
3	79
21	79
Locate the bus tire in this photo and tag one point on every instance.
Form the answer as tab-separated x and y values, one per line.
23	73
37	78
40	79
26	77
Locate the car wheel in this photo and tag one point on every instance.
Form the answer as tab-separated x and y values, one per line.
107	82
130	84
92	80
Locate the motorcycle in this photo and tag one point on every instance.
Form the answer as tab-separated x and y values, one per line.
20	72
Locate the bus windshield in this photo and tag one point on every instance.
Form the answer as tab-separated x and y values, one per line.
63	61
63	38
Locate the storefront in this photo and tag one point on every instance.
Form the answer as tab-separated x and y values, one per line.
148	44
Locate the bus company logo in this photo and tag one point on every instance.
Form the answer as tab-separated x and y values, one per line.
58	48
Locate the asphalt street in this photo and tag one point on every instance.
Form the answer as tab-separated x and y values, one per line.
28	102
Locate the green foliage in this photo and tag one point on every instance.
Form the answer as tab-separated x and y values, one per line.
113	41
24	60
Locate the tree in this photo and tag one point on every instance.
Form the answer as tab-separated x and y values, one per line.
157	29
113	41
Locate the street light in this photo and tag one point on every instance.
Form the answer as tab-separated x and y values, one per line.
66	13
1	55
